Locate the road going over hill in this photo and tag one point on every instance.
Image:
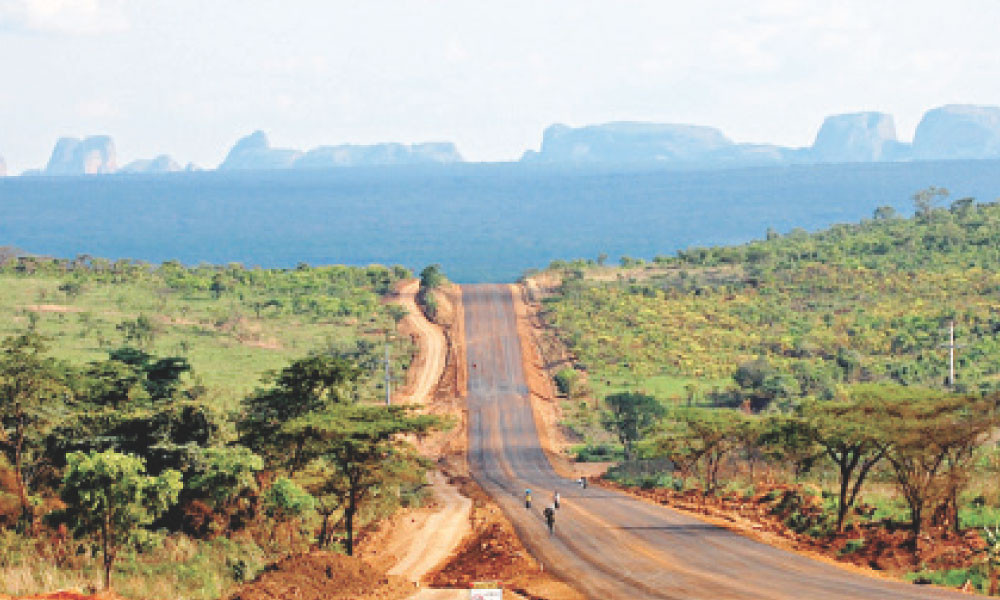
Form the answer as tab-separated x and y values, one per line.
607	544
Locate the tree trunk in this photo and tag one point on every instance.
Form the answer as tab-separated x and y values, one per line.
842	507
323	531
105	531
956	526
916	511
352	506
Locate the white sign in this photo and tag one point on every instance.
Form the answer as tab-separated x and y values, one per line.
485	594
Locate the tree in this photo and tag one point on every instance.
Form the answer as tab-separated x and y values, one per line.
109	494
705	436
431	277
308	385
930	442
788	438
848	433
219	284
358	441
630	415
884	213
31	398
924	201
141	331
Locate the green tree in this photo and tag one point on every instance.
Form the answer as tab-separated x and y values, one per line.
703	436
223	473
848	433
140	331
109	494
930	442
629	416
31	401
308	385
925	200
359	441
431	277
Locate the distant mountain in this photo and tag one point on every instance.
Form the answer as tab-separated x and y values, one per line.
255	152
958	131
160	164
326	157
3	167
627	142
948	132
856	137
89	156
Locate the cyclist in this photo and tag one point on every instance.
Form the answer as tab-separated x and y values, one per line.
550	518
527	498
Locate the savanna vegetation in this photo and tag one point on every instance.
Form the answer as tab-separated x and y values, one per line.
816	361
169	431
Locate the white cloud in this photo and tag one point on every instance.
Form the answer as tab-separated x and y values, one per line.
84	17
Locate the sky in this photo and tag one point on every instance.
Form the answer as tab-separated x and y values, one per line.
189	77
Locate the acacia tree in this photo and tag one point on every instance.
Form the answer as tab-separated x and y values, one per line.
31	392
847	432
108	493
359	441
702	438
630	415
930	445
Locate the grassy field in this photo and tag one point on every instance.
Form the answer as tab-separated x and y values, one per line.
231	337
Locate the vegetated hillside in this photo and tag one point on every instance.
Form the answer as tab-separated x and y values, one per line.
231	323
794	315
170	430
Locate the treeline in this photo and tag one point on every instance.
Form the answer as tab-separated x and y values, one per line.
923	442
125	450
311	291
797	315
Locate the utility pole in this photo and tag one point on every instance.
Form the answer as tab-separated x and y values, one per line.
951	352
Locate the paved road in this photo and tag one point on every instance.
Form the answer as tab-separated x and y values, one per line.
607	544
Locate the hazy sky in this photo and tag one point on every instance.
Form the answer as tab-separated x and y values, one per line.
188	77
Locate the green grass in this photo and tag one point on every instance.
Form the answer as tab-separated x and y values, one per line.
665	387
228	346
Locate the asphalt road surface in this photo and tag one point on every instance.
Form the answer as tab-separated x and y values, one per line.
607	544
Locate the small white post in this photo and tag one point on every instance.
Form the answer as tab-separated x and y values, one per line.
388	379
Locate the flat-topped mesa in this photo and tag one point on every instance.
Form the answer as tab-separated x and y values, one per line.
857	137
351	155
628	142
160	164
90	156
957	131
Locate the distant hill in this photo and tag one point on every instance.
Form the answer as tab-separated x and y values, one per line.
254	152
947	133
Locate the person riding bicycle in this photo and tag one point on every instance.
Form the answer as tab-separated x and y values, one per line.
550	518
527	498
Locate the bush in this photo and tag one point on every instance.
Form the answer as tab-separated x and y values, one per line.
598	453
566	381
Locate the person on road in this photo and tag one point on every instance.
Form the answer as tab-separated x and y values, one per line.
527	498
555	500
550	518
583	482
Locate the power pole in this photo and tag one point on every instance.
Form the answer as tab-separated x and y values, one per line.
388	374
951	346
